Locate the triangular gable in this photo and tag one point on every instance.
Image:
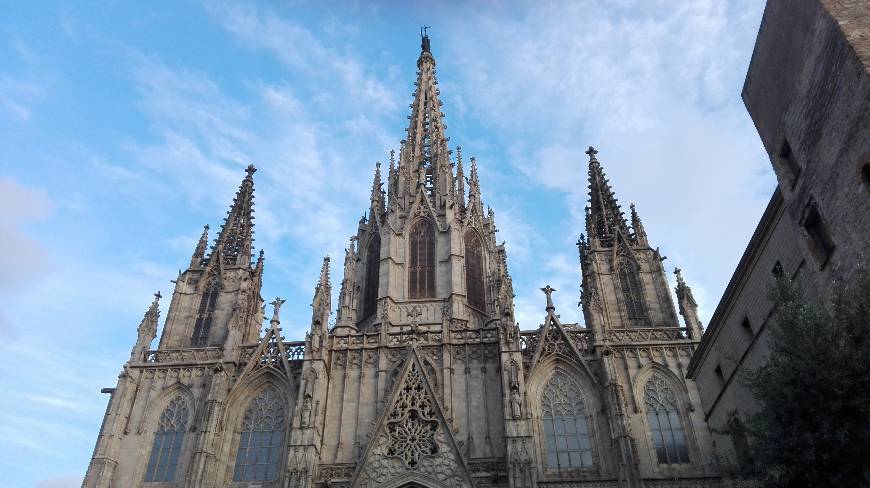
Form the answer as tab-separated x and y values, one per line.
412	440
422	207
269	354
553	339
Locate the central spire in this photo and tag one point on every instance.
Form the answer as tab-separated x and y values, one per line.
425	157
603	215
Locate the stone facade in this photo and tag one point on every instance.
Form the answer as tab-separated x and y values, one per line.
424	378
808	92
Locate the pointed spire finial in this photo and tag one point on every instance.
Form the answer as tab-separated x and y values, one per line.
548	290
157	296
201	246
236	237
324	273
637	226
605	216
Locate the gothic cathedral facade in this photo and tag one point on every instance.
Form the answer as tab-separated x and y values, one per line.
423	378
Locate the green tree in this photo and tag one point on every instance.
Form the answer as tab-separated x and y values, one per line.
813	427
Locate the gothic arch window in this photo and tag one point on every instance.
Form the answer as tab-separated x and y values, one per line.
421	266
204	315
474	271
632	292
167	442
663	415
261	437
567	442
373	264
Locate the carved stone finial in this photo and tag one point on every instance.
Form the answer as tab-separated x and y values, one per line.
157	296
591	152
276	304
251	170
548	290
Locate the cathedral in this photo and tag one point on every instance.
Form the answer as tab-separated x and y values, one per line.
423	377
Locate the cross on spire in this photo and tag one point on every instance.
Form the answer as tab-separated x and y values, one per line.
591	152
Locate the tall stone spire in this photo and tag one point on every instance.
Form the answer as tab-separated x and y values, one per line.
425	152
474	198
460	180
604	216
688	306
237	234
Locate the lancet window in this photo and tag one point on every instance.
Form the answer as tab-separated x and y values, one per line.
565	424
373	260
663	415
207	304
261	437
474	271
167	442
421	266
632	293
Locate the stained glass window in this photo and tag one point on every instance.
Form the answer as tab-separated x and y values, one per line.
204	315
167	442
474	271
262	438
373	263
565	424
421	266
632	292
668	437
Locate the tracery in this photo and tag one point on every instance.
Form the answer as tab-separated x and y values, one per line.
663	415
565	424
168	438
261	437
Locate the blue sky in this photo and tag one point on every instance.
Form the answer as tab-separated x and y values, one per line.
124	127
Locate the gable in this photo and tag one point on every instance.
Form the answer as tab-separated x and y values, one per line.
413	441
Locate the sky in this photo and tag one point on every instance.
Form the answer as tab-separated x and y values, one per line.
125	127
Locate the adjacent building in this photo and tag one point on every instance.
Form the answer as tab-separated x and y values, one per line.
808	92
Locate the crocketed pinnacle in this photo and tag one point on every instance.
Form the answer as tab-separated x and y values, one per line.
236	237
323	282
148	326
425	151
377	198
604	216
637	226
201	246
460	179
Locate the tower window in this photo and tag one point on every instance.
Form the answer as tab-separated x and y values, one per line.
632	293
474	271
565	424
421	266
167	442
789	163
373	264
663	415
820	239
207	304
261	438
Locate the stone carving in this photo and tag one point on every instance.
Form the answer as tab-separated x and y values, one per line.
413	439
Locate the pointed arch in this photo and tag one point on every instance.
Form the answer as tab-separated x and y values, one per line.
261	437
421	263
169	433
474	283
208	302
372	276
239	402
663	399
565	423
628	274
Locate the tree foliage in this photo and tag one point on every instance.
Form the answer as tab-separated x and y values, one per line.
813	427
